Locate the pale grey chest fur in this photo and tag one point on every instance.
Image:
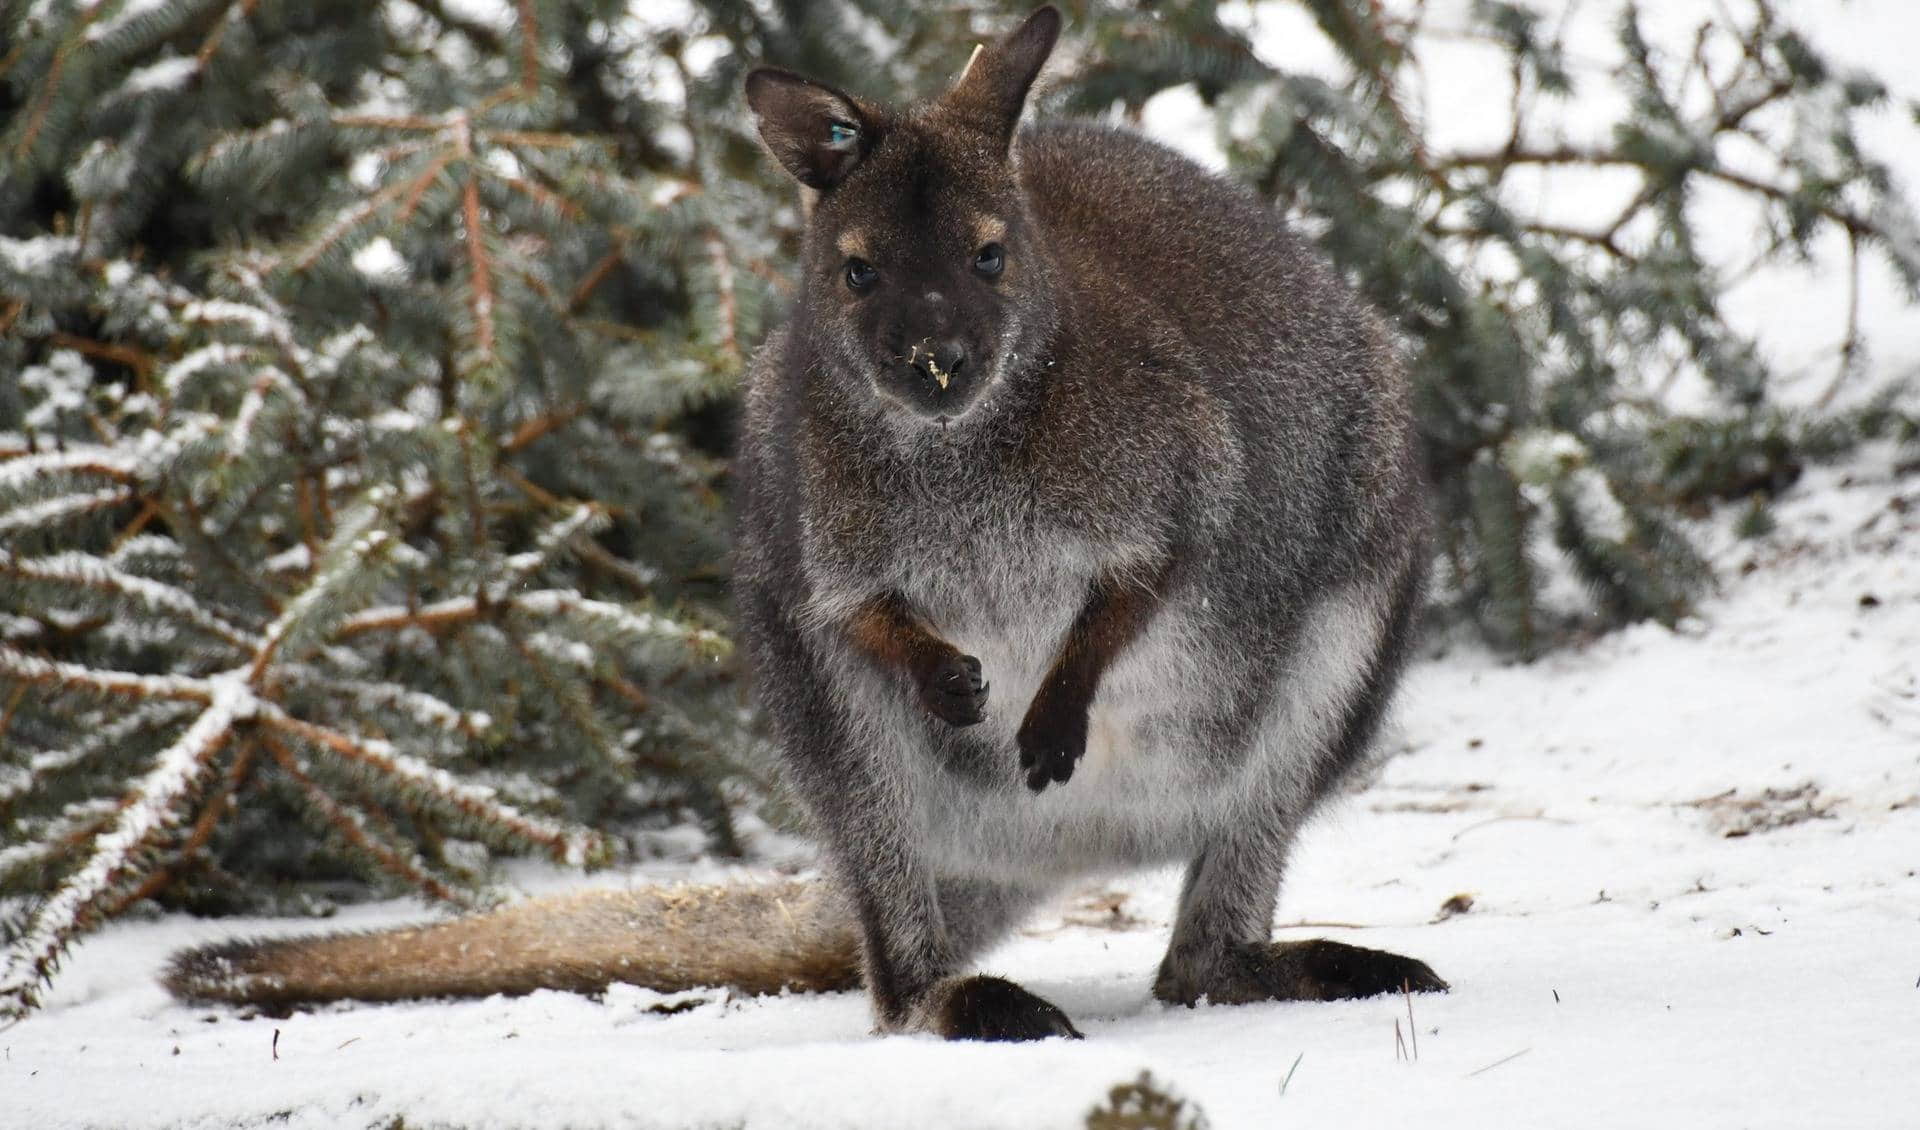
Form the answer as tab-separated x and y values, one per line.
1149	788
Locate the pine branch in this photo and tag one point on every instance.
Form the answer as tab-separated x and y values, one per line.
211	810
437	788
351	826
529	48
479	263
87	459
532	430
595	275
211	45
350	221
546	602
92	572
54	511
422	709
7	713
108	739
351	557
155	803
16	664
50	85
722	262
139	360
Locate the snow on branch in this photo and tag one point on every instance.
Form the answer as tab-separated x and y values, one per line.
93	572
620	620
354	552
33	669
555	538
426	710
56	510
219	355
352	826
155	803
545	602
438	788
106	739
88	458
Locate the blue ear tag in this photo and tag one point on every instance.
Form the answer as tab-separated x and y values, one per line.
840	135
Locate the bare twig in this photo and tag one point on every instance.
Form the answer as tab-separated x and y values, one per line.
1850	346
1498	1062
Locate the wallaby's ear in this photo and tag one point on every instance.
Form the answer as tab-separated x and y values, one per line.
816	132
993	88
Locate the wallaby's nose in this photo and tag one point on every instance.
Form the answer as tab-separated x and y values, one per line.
941	360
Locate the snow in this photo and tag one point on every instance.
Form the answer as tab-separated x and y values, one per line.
379	260
256	321
128	11
219	355
97	572
168	74
40	253
15	473
297	558
1691	859
62	384
54	510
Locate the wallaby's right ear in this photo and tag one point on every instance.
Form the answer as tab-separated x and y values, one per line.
993	88
816	132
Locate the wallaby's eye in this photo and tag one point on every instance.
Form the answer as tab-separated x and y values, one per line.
861	275
991	260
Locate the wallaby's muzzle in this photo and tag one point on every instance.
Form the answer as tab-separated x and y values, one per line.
942	361
935	378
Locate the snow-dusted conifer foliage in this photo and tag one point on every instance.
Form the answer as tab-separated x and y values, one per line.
1546	339
359	488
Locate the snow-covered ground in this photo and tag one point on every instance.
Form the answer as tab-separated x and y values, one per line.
1691	858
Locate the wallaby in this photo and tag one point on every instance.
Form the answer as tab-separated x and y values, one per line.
1080	528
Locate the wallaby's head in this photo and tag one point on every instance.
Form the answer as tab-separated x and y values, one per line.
924	283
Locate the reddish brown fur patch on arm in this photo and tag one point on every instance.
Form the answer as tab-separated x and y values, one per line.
1117	610
888	632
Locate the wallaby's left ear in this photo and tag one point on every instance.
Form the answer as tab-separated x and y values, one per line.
993	89
815	131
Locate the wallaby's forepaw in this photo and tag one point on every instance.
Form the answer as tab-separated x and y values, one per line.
954	691
1316	970
991	1008
1052	741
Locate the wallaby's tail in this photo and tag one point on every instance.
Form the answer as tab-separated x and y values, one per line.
757	938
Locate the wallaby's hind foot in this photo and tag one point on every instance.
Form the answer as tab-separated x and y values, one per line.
1316	970
990	1008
